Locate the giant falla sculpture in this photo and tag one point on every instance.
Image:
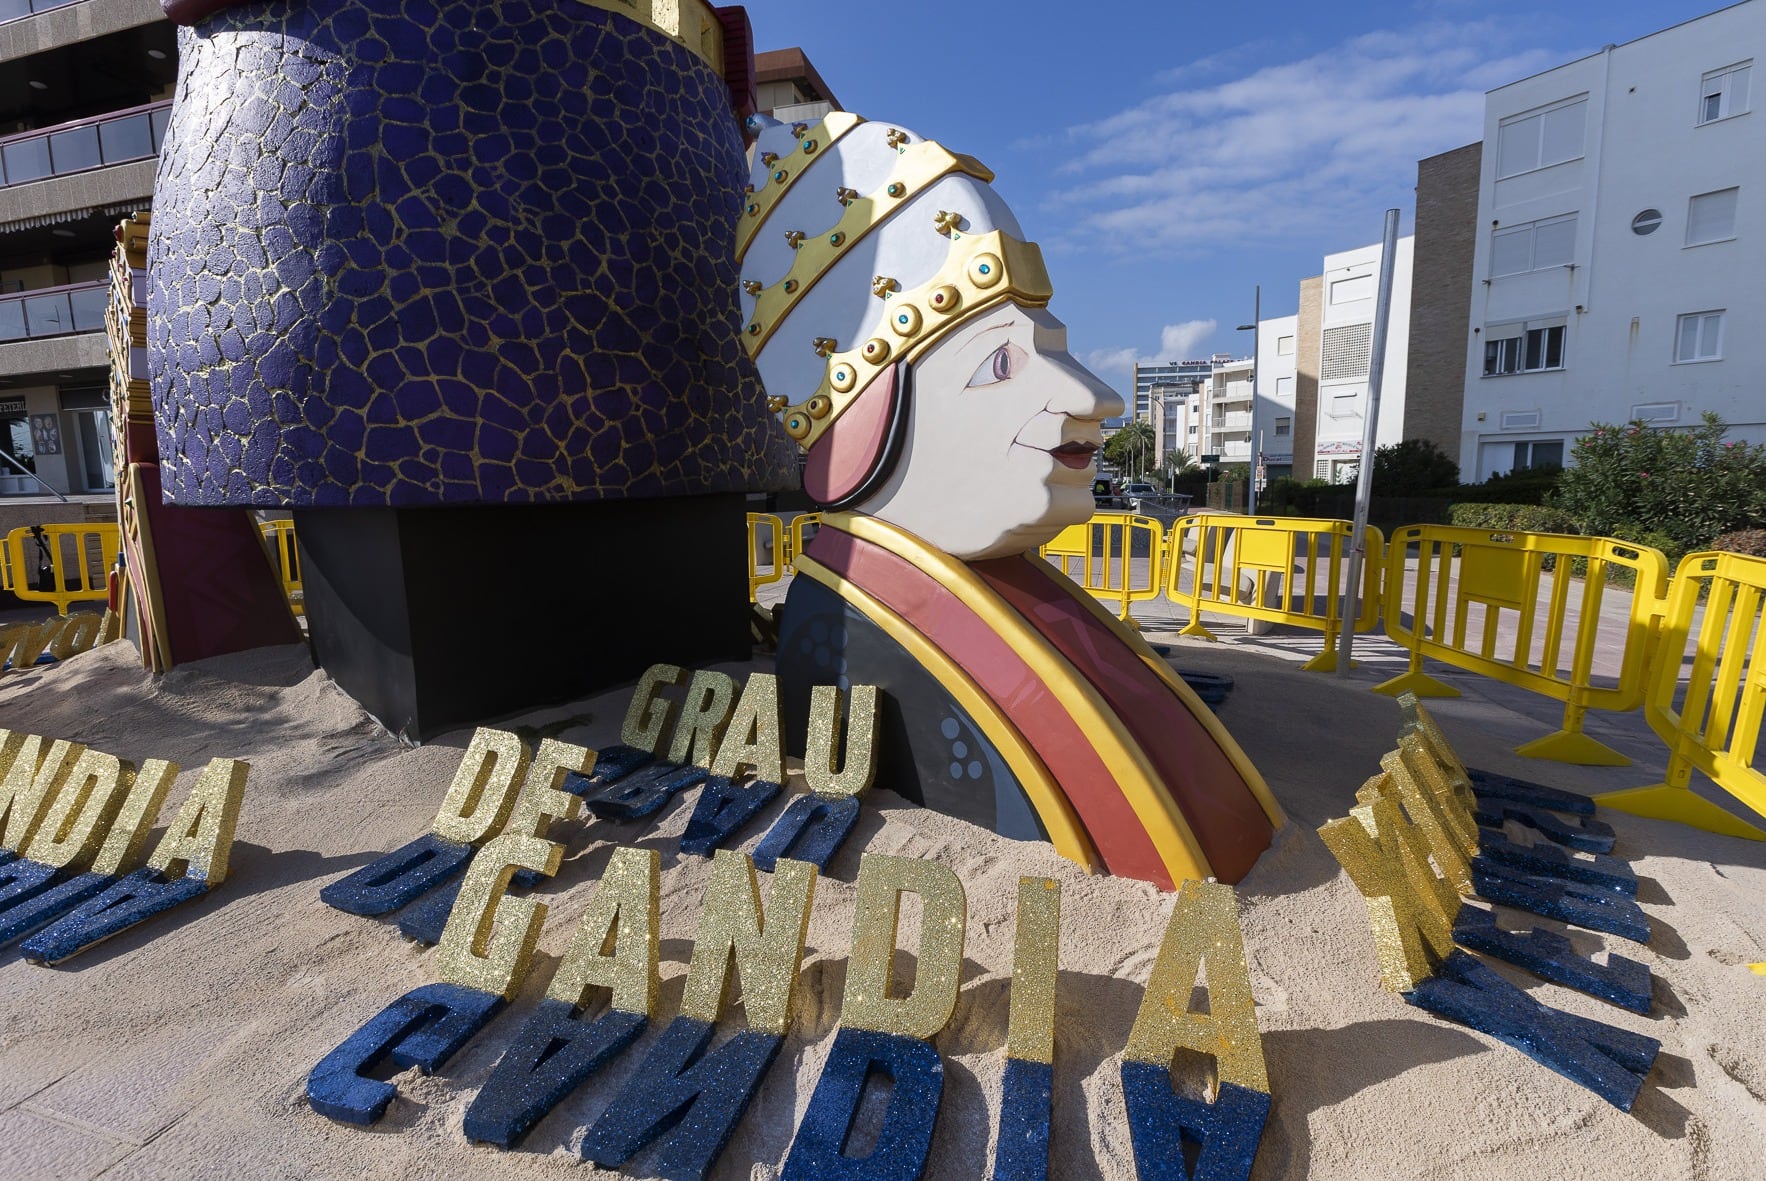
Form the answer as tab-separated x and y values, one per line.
455	282
900	322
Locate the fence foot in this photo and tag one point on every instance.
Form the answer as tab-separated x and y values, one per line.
1422	684
1757	969
1326	662
1194	628
1131	623
1679	804
1572	746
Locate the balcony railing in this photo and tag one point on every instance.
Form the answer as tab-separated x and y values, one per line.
12	10
98	142
53	311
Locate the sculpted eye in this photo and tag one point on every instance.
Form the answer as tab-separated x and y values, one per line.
1001	365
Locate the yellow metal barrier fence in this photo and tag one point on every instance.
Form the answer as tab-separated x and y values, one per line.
1288	570
1466	579
80	558
761	573
1100	555
803	527
1715	603
279	535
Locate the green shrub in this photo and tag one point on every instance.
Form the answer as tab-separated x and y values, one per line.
1742	541
1412	468
1684	487
1526	518
1523	486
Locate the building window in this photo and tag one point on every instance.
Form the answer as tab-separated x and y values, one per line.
1724	92
1284	346
1533	246
1284	427
1539	139
1710	217
1698	336
1523	348
1546	453
1352	289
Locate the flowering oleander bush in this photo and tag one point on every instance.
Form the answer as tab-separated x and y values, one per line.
1675	489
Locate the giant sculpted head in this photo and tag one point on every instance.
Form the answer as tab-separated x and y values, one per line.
900	325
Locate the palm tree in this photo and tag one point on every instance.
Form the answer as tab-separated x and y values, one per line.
1130	449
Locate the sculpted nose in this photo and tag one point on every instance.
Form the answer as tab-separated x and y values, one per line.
1077	392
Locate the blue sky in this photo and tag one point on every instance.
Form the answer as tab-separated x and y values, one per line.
1169	155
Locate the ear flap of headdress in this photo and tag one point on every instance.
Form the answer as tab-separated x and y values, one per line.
857	448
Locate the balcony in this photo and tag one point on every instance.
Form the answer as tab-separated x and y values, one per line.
118	137
53	311
68	321
1230	423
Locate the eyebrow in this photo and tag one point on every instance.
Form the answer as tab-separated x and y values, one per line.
995	328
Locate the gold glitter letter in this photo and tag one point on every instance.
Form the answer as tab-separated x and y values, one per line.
860	766
752	739
1204	928
710	698
1387	861
469	953
943	914
128	832
482	795
647	716
1036	955
542	796
619	957
766	951
201	834
80	816
32	782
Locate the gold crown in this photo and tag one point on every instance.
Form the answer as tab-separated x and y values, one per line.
783	173
917	167
982	271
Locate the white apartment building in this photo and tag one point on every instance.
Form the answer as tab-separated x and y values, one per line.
1621	246
1227	414
1346	328
1272	418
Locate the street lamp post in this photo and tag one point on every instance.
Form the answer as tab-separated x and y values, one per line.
1256	369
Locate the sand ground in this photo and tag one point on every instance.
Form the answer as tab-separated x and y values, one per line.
181	1049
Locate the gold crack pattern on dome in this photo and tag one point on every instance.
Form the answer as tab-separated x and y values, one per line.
783	170
981	272
916	169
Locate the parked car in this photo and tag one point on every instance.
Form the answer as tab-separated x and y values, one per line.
1134	491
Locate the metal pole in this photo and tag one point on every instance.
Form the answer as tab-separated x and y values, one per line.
33	475
1256	368
1364	476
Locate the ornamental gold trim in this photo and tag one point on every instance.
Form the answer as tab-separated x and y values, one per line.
691	24
918	168
981	272
783	171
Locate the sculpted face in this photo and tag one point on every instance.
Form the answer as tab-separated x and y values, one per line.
1002	440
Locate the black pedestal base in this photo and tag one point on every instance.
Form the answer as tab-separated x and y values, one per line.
438	618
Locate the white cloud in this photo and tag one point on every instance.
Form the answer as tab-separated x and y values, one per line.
1177	342
1290	151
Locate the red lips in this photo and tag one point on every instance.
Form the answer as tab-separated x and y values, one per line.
1075	455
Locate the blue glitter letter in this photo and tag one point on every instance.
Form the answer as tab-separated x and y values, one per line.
817	1154
722	809
394	880
679	1084
423	1028
812	829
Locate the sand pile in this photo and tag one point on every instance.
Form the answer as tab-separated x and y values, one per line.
181	1048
